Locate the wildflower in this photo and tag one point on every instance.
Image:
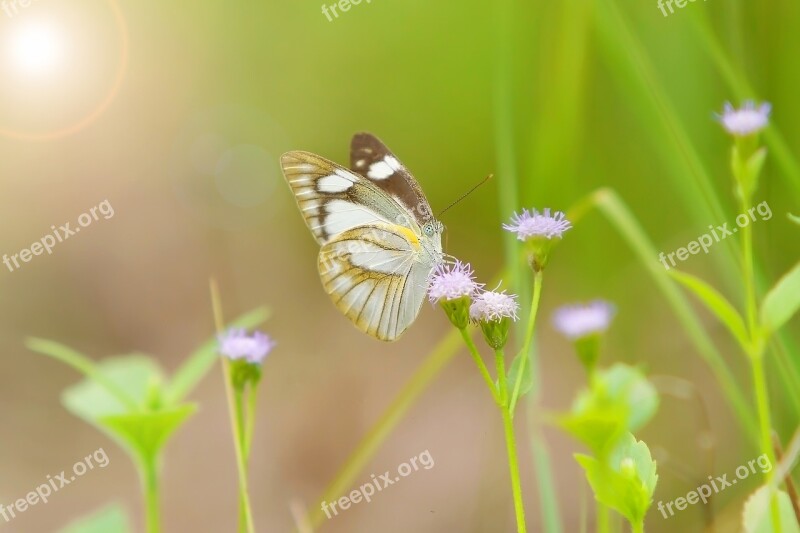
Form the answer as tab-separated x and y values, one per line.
583	325
539	231
747	120
528	225
451	282
453	286
494	311
236	345
577	321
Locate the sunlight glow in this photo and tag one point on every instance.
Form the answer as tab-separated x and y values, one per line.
35	48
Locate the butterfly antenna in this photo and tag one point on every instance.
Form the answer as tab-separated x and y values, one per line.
473	189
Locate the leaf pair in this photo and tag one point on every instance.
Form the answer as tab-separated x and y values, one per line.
619	400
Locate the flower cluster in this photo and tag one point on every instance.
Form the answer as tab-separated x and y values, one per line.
453	286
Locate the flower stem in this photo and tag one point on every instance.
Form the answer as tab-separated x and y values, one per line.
755	352
476	356
250	421
149	468
511	447
236	416
243	451
526	346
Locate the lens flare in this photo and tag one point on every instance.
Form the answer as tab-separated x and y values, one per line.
36	48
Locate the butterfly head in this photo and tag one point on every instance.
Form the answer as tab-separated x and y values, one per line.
432	227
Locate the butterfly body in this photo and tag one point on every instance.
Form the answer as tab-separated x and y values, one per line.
379	240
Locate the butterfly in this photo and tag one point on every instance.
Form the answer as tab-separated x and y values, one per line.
379	240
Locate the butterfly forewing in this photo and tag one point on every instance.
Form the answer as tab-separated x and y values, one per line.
372	159
333	199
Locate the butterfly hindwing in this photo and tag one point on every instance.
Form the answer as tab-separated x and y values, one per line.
374	276
372	159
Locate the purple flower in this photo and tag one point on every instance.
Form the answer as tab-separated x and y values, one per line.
578	321
237	344
528	225
451	282
746	120
491	306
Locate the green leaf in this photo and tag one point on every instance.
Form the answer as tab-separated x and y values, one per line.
782	301
143	429
527	375
202	360
146	433
111	519
134	376
757	516
620	399
793	218
625	481
82	364
716	303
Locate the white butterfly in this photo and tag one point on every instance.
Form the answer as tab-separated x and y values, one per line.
379	239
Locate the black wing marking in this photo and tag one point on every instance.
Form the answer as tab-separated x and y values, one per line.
370	158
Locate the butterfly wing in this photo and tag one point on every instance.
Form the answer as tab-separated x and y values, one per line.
333	199
376	275
372	159
375	259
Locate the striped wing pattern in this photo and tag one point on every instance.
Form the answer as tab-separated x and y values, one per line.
334	199
374	260
374	276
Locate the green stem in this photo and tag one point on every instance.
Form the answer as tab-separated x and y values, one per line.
526	346
637	528
603	519
240	438
762	403
149	470
250	421
756	353
511	447
476	356
235	415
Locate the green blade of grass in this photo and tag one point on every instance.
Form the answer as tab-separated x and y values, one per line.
82	364
615	210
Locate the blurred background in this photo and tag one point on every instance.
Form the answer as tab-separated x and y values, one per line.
176	113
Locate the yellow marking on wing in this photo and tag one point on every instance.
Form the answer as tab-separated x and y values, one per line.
409	235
